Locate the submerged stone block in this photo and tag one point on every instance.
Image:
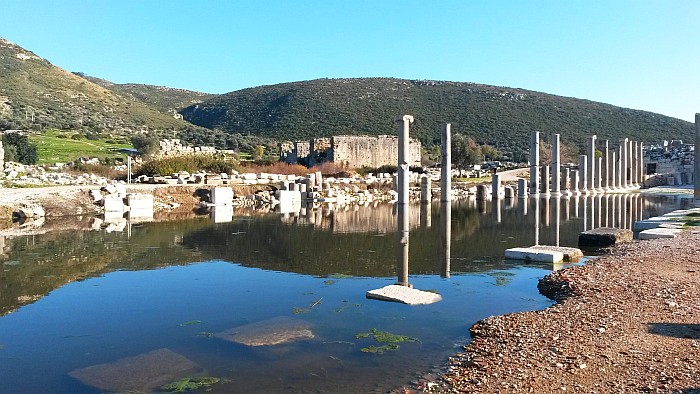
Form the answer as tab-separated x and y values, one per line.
142	373
570	254
275	331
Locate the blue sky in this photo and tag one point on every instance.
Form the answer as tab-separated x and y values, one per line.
638	54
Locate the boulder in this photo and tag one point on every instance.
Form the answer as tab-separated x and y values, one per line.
404	295
275	331
604	236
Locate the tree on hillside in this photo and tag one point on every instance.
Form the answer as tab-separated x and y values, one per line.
18	148
145	143
258	152
465	152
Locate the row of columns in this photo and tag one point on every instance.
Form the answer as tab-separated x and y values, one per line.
613	171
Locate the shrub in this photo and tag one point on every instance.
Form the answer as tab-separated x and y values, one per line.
18	148
193	163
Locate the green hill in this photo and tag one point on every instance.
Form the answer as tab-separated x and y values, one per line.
500	116
164	99
34	94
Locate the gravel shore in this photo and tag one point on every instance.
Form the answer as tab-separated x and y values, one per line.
627	322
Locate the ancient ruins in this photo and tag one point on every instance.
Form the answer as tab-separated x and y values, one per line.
349	151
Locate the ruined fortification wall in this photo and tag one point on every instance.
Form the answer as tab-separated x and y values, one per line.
359	151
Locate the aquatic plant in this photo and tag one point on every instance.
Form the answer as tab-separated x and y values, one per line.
379	349
340	276
389	340
190	323
191	383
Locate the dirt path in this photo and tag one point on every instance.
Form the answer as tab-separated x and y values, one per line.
627	323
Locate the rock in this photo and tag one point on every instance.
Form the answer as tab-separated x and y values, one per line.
604	236
96	195
659	233
532	254
275	331
570	254
142	373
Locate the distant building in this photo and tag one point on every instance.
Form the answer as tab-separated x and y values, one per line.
349	151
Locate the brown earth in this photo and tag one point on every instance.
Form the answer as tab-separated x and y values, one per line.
628	322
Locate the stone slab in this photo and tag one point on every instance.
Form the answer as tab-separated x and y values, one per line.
641	225
604	236
142	373
531	254
659	233
570	254
404	295
275	331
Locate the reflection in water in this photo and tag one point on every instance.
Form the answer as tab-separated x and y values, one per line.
104	296
445	237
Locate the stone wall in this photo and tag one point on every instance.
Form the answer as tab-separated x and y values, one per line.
349	151
670	164
357	151
174	147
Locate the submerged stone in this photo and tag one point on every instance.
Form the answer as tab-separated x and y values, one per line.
142	373
275	331
570	254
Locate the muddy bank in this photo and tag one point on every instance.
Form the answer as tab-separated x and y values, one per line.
627	322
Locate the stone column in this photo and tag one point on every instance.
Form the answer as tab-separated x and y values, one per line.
495	186
613	170
583	173
621	164
590	167
404	157
599	174
556	166
2	157
606	166
446	164
575	182
565	182
535	163
522	188
641	168
425	189
633	164
545	180
696	164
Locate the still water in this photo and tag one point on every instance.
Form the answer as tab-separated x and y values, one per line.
74	299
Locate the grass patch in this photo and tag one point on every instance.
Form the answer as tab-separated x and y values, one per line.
190	384
55	146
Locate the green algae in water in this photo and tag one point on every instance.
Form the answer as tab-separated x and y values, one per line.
205	334
190	323
379	349
389	340
191	383
329	282
299	311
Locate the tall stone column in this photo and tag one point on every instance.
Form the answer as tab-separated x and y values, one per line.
599	174
696	164
522	188
613	170
606	166
583	173
575	183
590	167
545	181
425	189
565	181
630	164
556	166
634	152
535	163
624	154
446	164
404	157
641	168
